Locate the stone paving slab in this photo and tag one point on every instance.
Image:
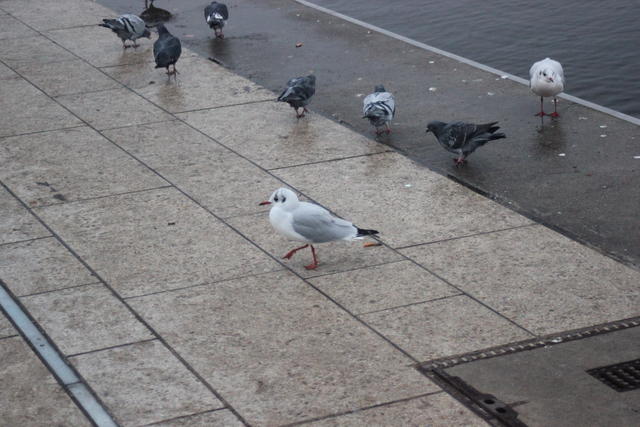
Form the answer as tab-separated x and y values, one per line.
219	418
144	383
6	329
16	223
32	50
225	183
71	164
540	279
382	287
112	108
26	109
408	204
30	395
45	15
11	28
434	410
7	73
278	351
66	77
270	135
153	241
39	266
333	256
85	318
445	327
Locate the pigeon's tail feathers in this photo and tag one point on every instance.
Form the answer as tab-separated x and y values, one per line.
495	136
364	232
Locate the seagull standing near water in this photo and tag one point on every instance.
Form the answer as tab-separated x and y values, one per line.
127	27
216	14
166	50
379	107
298	93
463	138
546	78
308	223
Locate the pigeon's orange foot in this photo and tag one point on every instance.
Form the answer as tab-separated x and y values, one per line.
388	131
220	36
460	162
311	266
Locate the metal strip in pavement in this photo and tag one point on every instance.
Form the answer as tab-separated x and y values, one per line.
467	61
54	361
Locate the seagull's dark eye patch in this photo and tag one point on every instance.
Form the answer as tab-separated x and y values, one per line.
275	199
284	199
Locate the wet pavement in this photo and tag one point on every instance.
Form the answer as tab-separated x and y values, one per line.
132	240
576	174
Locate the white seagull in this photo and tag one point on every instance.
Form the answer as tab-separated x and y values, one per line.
546	78
308	223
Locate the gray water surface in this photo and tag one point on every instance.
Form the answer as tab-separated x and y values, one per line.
598	43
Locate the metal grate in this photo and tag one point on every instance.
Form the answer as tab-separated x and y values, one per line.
621	376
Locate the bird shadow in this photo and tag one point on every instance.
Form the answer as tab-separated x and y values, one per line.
548	138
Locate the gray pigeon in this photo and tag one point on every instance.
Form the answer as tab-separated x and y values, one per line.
215	14
298	93
166	50
463	138
379	107
127	27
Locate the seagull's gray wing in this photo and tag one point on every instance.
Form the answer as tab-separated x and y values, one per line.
318	225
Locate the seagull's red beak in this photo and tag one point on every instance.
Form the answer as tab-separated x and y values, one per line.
265	203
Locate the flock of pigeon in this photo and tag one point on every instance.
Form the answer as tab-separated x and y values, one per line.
307	222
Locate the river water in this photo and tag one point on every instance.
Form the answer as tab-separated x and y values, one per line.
598	43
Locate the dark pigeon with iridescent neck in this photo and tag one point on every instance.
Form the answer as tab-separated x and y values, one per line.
216	14
463	138
166	50
298	93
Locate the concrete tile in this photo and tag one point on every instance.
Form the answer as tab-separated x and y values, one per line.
30	395
537	277
435	410
11	28
71	164
16	223
444	327
143	383
65	78
278	351
45	15
101	47
154	240
219	179
40	265
6	329
202	84
26	109
32	50
113	108
85	318
407	203
384	286
270	135
7	73
220	418
333	256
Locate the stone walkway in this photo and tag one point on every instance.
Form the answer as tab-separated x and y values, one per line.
130	231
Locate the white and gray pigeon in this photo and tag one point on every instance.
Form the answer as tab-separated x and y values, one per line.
546	78
166	50
127	27
379	107
216	14
308	223
298	93
463	138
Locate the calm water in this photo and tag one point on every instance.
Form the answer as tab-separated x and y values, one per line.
598	43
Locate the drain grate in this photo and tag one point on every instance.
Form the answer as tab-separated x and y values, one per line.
621	376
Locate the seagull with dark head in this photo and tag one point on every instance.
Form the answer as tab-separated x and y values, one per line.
166	50
127	27
463	138
298	93
308	223
216	14
379	107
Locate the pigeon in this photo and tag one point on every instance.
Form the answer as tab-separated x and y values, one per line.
298	93
154	15
215	14
547	79
127	27
379	107
166	50
463	138
308	223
